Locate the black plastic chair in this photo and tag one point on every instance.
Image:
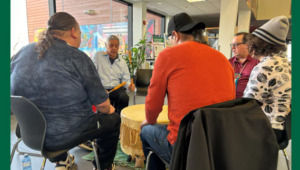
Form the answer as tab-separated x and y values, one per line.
143	77
33	127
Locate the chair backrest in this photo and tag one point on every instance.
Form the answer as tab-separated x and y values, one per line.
231	135
31	121
143	77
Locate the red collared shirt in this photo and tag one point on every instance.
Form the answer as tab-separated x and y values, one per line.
244	69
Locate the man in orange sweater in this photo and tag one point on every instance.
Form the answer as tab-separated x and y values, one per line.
192	75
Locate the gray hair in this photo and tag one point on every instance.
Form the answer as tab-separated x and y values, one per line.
111	37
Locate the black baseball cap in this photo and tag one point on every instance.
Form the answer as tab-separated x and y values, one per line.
182	22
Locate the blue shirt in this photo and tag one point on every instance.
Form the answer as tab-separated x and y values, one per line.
111	74
63	84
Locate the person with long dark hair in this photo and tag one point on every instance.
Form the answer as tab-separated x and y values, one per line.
63	83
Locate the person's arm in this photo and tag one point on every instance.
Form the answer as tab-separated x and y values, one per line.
92	84
157	88
105	107
254	87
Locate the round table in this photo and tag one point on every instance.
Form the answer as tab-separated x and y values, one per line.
131	118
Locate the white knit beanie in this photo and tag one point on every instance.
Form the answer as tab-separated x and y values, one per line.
274	31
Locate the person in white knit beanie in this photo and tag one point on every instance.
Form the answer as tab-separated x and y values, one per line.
270	80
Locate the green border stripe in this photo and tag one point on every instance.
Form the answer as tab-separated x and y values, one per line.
4	85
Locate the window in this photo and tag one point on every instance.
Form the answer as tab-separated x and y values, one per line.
98	20
154	24
155	27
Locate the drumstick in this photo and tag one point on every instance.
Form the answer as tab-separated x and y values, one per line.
117	87
129	54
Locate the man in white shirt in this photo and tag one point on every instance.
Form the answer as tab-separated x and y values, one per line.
113	70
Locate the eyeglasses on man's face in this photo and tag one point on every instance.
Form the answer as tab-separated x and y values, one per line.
235	45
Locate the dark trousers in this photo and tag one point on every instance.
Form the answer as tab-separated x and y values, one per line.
119	99
106	129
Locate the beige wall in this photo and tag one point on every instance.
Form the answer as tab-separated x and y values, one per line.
37	16
267	9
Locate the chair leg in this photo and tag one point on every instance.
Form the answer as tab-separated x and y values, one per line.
43	164
96	155
14	149
22	153
147	160
286	159
70	161
134	98
29	153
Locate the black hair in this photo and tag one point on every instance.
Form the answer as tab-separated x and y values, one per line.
197	33
260	47
59	22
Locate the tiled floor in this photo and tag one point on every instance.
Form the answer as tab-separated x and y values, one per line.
81	164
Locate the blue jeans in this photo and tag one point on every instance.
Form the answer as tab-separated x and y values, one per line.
154	137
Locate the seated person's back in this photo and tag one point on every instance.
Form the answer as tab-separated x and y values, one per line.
64	84
192	75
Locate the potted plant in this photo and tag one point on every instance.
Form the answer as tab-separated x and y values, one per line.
136	57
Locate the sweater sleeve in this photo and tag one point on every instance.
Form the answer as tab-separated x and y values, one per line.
260	84
256	85
157	89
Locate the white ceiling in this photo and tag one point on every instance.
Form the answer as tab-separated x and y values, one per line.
172	7
207	11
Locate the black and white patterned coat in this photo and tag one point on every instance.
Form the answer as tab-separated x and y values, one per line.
270	83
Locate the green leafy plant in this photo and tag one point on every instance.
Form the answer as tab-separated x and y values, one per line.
138	52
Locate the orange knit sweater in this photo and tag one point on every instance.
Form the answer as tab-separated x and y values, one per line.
192	75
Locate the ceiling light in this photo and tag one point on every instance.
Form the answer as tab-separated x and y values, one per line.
159	3
196	0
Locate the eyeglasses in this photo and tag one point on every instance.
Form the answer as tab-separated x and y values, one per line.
235	45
